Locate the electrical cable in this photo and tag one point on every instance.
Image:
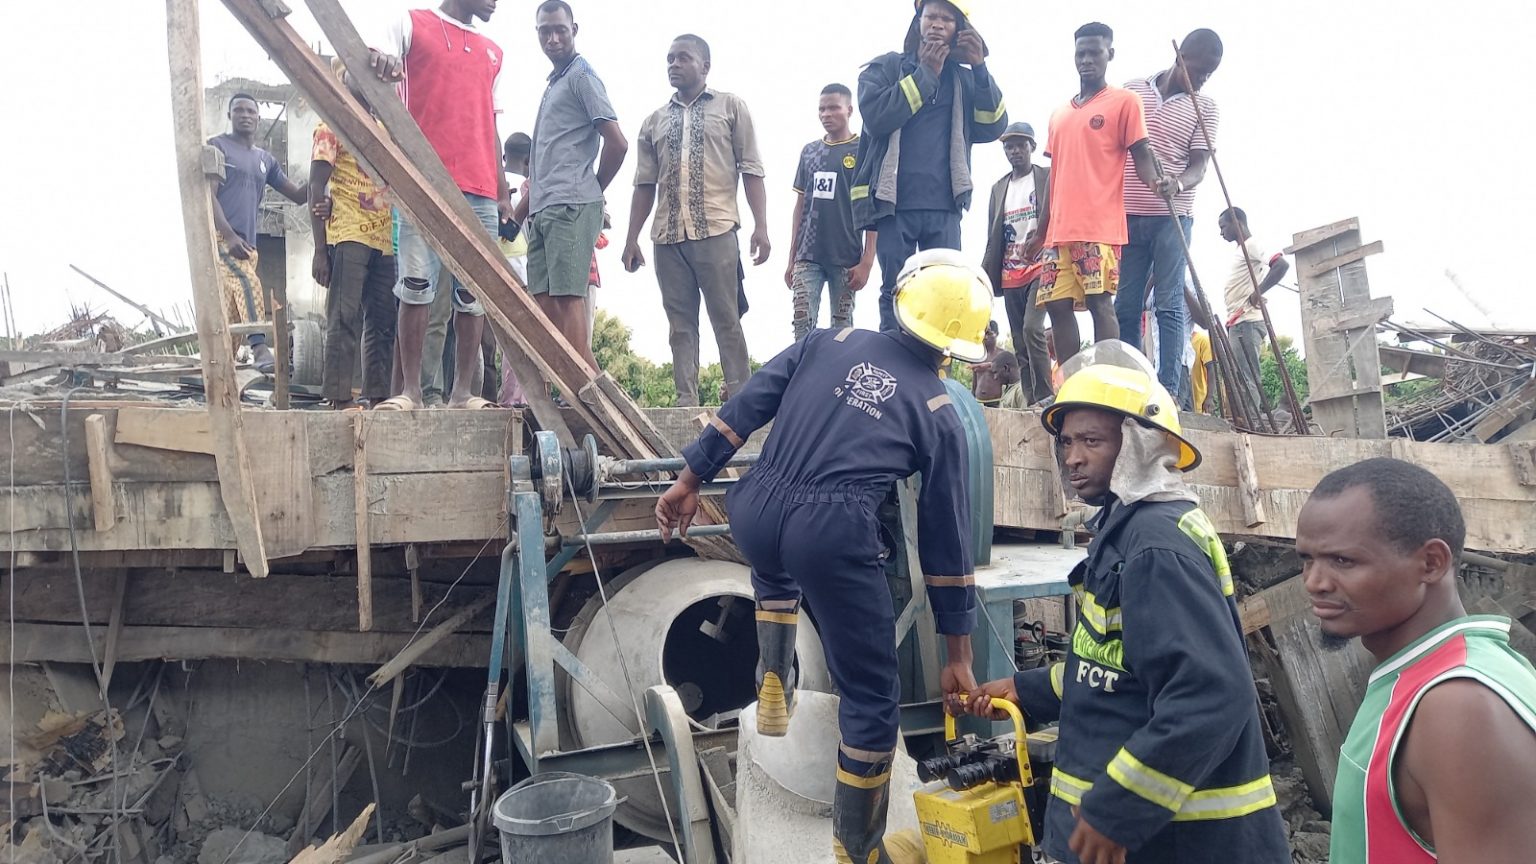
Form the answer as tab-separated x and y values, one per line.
344	720
85	615
629	684
10	669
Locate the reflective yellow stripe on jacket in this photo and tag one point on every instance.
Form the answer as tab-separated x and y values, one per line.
1192	805
914	96
1197	527
990	117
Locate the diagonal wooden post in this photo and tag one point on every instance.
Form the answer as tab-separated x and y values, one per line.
193	165
401	156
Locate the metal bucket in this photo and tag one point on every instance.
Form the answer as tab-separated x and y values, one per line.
556	817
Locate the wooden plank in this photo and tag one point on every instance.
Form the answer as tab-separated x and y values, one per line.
408	656
1353	255
1312	237
166	429
1248	483
280	480
166	598
1368	315
364	549
98	456
62	643
114	630
319	798
1342	365
223	397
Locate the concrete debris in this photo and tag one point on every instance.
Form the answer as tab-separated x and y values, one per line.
1306	829
233	846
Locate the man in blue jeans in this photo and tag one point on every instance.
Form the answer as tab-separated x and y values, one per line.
923	108
824	244
1152	260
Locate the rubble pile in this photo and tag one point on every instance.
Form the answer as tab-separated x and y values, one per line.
1485	385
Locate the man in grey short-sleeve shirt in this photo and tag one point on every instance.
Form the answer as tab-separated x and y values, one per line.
576	130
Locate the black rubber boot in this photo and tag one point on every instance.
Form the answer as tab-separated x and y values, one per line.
775	670
858	816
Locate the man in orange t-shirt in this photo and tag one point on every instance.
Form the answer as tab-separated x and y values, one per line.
1085	226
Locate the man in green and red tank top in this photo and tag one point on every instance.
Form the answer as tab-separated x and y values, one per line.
1440	763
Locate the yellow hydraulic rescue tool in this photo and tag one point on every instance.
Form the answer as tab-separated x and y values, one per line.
973	810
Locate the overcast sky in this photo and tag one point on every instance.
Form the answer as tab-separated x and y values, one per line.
1396	112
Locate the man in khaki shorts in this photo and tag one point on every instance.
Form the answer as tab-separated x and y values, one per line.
576	130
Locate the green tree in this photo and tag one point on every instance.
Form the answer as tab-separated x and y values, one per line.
1274	389
647	382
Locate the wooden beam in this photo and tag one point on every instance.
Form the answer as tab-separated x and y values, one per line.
223	397
1319	691
1343	365
282	343
364	543
318	798
114	630
61	643
420	184
1248	483
409	655
165	429
98	456
1314	236
1367	315
1353	255
200	598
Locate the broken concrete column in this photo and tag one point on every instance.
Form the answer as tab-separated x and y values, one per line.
784	786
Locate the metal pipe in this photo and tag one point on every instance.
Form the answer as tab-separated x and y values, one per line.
1298	419
610	538
643	489
625	467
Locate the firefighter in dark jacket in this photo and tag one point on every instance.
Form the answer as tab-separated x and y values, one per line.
853	412
1161	756
922	111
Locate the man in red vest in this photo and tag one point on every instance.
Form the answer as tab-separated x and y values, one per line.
448	72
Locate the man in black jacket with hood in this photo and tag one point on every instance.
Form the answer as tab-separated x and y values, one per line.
932	98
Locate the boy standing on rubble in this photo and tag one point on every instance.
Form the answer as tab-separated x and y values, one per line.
248	171
1440	763
1161	756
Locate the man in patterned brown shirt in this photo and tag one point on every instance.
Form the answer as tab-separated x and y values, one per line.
691	152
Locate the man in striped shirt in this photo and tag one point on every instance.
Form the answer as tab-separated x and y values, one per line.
1183	147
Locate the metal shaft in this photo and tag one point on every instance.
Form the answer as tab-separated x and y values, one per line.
1298	420
626	467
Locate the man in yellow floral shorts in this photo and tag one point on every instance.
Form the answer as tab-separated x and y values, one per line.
1079	240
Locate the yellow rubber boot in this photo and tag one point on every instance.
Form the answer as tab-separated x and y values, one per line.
906	847
775	670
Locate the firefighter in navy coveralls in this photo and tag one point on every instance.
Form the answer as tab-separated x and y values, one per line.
1161	755
853	412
